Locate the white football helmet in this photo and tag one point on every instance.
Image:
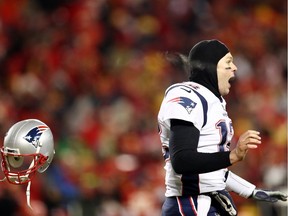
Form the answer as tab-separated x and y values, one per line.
28	147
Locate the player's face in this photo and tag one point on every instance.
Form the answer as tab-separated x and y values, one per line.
226	73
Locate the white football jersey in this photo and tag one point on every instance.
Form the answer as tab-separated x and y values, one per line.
194	103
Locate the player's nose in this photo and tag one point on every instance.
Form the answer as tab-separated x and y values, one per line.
234	67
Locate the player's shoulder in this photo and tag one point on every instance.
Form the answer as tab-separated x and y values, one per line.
184	88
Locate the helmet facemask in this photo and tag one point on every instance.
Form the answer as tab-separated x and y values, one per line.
20	168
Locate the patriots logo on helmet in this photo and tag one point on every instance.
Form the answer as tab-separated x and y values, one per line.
187	103
34	135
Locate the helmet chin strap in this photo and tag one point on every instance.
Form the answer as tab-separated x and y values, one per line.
28	195
28	188
29	183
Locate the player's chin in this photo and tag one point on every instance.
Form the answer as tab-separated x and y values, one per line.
226	92
229	84
227	89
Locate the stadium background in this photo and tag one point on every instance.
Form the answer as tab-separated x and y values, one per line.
93	70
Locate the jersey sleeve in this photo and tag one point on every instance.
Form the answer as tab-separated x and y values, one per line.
184	105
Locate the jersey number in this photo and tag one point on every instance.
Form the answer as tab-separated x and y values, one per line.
223	130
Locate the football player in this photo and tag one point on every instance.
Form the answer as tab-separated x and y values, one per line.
195	131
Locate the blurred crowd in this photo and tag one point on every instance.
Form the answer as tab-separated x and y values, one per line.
95	72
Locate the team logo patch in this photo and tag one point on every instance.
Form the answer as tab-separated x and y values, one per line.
187	103
34	135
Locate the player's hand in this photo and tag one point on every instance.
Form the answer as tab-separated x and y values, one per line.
268	196
248	140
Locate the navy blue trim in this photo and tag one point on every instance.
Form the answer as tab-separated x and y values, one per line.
188	208
171	206
175	86
205	106
202	99
166	153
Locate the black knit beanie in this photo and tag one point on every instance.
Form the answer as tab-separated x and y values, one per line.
203	59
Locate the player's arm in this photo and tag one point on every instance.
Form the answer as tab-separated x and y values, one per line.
238	185
185	158
247	190
183	151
